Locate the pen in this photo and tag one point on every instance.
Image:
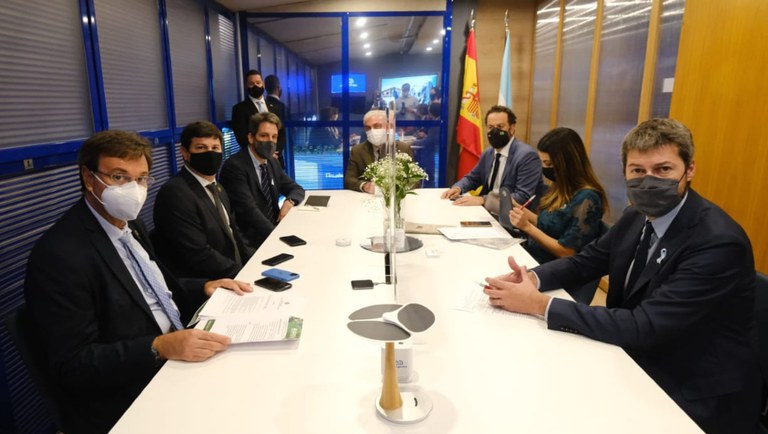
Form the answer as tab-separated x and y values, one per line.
528	202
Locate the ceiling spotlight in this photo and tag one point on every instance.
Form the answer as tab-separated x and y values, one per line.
360	22
367	45
429	48
363	35
368	53
435	41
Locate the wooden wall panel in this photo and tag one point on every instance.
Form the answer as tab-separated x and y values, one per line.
489	34
721	94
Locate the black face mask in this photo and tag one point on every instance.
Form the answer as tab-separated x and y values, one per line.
256	91
653	196
498	138
264	149
549	173
207	163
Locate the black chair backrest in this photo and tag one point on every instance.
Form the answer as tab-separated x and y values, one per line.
18	327
761	321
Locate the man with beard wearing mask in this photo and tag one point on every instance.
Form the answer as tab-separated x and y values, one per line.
372	149
508	162
255	180
682	285
195	232
257	102
102	310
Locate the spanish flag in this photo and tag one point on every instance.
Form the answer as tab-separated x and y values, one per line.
469	127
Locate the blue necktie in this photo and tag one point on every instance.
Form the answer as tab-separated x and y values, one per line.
148	279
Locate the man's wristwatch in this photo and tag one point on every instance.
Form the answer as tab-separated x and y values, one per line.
293	202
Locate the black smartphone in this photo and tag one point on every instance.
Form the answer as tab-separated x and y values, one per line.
292	240
273	284
362	284
279	259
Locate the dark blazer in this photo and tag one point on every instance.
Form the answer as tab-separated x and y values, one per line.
190	237
360	156
274	105
94	326
242	112
521	175
239	178
686	321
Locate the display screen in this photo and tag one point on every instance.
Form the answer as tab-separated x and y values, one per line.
391	88
356	83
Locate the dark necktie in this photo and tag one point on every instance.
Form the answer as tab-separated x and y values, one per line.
641	255
493	174
213	188
267	190
149	281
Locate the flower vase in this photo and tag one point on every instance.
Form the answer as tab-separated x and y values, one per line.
399	230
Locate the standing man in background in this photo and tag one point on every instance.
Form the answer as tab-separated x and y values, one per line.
276	106
253	103
406	104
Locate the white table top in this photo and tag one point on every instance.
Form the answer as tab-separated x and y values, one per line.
485	373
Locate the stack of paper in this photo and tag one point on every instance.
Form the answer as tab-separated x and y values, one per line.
252	317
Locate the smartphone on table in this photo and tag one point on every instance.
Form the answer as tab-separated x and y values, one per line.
362	284
279	259
273	284
293	240
284	275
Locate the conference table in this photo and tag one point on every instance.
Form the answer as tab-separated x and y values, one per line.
485	370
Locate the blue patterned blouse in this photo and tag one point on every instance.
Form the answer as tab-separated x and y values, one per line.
574	225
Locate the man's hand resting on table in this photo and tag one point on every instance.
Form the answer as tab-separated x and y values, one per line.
516	291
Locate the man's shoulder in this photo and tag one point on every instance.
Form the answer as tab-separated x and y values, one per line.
68	230
242	104
237	159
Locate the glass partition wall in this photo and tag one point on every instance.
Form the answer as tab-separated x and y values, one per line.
333	68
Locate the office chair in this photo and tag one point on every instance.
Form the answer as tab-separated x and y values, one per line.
17	324
761	323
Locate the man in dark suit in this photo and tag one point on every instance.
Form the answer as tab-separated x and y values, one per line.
274	105
195	232
372	149
255	180
256	102
682	283
106	312
519	166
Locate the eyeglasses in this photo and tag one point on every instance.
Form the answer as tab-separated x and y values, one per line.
120	179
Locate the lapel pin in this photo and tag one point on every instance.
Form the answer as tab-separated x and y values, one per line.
662	255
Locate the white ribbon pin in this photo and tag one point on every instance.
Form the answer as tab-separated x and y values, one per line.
662	255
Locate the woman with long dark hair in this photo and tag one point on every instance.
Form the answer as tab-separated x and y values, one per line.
570	214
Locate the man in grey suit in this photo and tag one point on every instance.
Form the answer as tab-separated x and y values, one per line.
372	149
508	162
682	285
254	180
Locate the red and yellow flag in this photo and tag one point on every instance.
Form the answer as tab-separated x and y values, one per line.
469	127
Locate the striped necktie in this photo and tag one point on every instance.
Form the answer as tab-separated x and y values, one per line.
266	188
148	279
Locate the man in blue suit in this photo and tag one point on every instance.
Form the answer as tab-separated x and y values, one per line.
508	162
682	284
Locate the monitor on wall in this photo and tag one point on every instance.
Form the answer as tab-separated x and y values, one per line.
356	83
420	87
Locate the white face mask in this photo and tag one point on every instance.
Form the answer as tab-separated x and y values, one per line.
122	202
377	137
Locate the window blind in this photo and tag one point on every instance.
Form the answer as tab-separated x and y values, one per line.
131	64
224	64
186	32
44	90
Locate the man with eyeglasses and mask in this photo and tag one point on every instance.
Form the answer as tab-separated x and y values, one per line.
104	312
195	232
254	180
372	149
682	285
508	162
